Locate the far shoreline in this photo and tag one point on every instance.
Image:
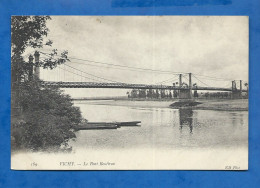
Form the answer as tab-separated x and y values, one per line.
206	104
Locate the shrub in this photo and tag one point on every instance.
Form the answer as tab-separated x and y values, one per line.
47	120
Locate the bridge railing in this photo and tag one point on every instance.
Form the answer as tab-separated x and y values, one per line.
125	86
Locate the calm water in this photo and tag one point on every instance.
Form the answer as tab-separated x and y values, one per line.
163	128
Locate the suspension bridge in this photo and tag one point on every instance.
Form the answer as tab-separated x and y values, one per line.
126	86
176	83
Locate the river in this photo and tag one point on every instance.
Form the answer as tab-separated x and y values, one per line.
168	138
162	127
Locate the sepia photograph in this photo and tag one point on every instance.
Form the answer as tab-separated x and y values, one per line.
129	92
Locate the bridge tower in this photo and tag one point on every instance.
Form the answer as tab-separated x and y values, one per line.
187	93
180	80
236	94
30	74
190	86
240	88
36	68
180	84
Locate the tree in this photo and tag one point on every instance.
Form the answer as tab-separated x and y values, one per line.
134	93
157	94
184	85
128	94
142	93
170	95
31	32
150	93
196	95
48	116
207	95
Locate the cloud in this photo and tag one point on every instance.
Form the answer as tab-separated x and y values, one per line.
212	45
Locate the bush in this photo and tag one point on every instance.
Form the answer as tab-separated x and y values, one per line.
47	120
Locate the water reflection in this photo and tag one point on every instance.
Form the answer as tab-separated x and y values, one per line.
186	118
163	128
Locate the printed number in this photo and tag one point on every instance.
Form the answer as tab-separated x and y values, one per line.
228	167
34	164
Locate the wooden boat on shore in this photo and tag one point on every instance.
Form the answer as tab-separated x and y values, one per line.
105	125
128	123
96	127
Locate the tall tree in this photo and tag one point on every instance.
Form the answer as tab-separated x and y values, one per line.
48	116
31	32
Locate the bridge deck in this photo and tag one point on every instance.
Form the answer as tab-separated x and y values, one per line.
125	86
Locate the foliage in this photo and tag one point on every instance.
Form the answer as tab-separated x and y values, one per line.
150	93
31	32
28	31
48	118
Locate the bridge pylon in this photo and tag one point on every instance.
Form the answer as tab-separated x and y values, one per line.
36	68
236	93
187	93
190	86
30	74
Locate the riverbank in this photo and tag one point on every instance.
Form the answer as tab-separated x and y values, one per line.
220	104
129	103
224	105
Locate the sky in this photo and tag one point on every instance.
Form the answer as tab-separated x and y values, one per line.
204	45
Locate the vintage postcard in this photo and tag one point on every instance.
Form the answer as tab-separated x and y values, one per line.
129	92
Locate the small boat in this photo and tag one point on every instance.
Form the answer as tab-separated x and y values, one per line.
95	126
105	125
128	123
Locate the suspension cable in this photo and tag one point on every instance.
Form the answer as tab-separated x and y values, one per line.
122	66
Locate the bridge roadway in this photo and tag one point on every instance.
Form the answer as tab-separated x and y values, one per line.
125	86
